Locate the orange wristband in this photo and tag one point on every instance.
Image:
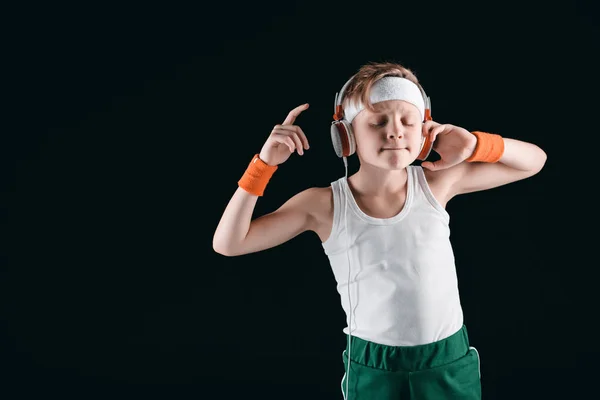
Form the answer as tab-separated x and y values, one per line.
490	148
256	177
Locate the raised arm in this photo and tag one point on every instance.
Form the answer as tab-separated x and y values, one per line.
237	233
475	161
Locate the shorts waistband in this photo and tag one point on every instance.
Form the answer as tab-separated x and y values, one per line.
411	358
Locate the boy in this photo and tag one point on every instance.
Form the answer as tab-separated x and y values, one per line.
385	230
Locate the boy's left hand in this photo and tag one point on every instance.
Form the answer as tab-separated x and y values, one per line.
453	143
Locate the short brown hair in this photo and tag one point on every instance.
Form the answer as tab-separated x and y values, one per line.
360	86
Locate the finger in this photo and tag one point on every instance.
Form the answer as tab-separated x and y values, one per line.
295	139
436	131
435	165
298	142
293	136
294	114
299	131
428	126
285	140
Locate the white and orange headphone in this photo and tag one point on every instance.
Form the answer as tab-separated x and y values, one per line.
342	135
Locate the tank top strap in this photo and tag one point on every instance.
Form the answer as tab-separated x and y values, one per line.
340	203
423	193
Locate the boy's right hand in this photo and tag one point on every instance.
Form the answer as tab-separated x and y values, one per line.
285	139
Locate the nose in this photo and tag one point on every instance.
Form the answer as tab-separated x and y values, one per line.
396	129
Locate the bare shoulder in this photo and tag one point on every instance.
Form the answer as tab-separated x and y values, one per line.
441	182
318	203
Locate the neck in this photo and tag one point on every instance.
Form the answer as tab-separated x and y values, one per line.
369	180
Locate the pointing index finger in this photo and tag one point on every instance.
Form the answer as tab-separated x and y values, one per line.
294	114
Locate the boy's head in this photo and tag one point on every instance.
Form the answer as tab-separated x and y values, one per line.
385	105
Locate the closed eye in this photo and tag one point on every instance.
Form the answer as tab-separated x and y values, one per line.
384	123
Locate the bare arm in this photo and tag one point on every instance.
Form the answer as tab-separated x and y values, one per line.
520	160
238	234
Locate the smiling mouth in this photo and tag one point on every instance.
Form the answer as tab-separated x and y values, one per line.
394	148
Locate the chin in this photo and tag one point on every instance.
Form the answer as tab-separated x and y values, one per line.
398	159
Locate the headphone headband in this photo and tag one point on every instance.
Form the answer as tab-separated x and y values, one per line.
338	112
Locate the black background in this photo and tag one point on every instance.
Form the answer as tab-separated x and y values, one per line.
127	126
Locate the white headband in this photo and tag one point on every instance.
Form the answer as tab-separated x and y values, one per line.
389	88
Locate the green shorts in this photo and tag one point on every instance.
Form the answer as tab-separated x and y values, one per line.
447	369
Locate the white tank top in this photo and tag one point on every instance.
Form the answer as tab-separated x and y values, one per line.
403	282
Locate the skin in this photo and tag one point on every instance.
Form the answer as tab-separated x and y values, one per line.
388	139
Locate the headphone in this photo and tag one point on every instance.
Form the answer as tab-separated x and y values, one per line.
342	135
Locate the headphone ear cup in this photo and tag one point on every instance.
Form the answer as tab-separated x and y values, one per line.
426	147
336	140
342	138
